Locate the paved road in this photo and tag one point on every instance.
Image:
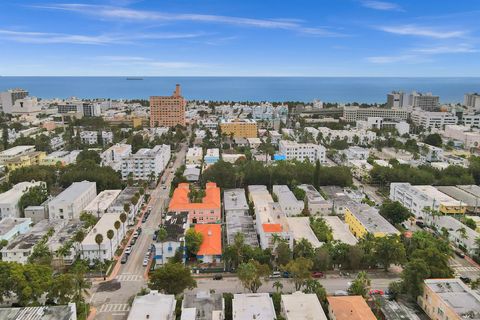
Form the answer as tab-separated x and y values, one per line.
114	304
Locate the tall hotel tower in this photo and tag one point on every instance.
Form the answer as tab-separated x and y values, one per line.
167	111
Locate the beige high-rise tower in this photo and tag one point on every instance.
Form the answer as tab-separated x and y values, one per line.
167	111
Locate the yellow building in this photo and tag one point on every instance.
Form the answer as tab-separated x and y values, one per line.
362	219
448	299
240	128
25	160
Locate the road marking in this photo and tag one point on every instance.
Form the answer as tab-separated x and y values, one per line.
114	307
464	269
129	277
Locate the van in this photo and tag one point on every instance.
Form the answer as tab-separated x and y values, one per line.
275	274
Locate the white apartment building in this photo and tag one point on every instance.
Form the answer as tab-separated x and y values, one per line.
194	156
146	163
15	152
9	199
472	101
317	204
9	97
102	202
363	136
57	143
113	156
287	200
464	134
70	203
91	137
355	153
293	150
429	119
402	127
154	306
90	249
299	305
253	306
425	101
12	227
352	114
454	226
397	99
471	119
270	220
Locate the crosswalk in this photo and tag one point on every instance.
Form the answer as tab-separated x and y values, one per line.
466	269
114	307
129	277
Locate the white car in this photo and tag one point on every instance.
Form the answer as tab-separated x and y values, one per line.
145	262
128	250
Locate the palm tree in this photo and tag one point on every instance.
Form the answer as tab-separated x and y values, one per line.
110	234
123	218
99	240
79	237
278	286
117	225
463	233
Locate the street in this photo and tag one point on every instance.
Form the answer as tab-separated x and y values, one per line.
114	303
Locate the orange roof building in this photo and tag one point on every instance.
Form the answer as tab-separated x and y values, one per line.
207	211
211	247
349	308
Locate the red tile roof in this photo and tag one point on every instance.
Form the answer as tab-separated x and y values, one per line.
212	239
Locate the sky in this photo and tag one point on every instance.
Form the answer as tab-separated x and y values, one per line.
427	38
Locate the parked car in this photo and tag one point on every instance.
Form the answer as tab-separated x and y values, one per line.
124	259
145	262
460	254
135	235
132	243
317	274
275	274
467	280
139	230
154	236
340	293
420	224
286	274
217	277
376	291
128	250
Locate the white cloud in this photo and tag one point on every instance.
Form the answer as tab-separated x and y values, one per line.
461	48
144	62
112	12
415	30
381	5
390	59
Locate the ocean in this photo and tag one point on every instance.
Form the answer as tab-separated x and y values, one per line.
328	89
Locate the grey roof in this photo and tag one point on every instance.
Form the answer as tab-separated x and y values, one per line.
9	223
311	193
461	195
241	224
67	312
371	219
125	196
235	199
204	302
29	239
393	310
175	226
73	191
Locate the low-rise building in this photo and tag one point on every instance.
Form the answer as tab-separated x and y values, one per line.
253	143
102	202
153	305
12	227
449	299
9	199
302	306
464	134
192	174
125	197
194	156
211	156
71	202
203	306
391	309
363	219
207	211
349	308
317	204
91	137
287	200
293	150
467	195
211	248
355	153
357	136
300	228
91	250
458	233
352	114
429	119
15	152
113	156
257	306
60	157
33	158
65	312
237	217
146	164
175	225
60	237
243	128
340	230
232	157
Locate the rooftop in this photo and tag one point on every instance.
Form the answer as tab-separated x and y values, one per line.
73	192
103	225
371	219
15	193
9	223
458	296
258	306
124	197
153	305
67	312
234	199
181	201
301	306
175	226
15	151
215	152
231	120
300	227
340	230
433	193
204	303
102	201
394	310
460	195
212	239
350	308
28	240
311	193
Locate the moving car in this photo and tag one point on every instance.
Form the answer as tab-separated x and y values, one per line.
275	274
460	254
467	280
145	262
217	277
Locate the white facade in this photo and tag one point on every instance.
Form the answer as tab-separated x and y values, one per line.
464	134
257	306
352	114
471	119
154	306
301	151
9	199
90	249
146	163
194	156
362	136
397	99
453	226
9	97
287	200
472	101
432	120
102	202
402	127
317	204
12	227
15	152
356	153
70	203
91	137
113	156
425	101
302	306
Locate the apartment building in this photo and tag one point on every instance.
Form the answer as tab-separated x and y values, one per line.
168	111
397	99
293	150
299	305
194	156
317	204
9	97
472	101
204	305
210	250
153	305
253	306
207	211
352	114
300	229
419	198
15	152
351	136
287	200
91	137
239	128
401	126
211	156
463	134
9	199
455	232
146	163
425	101
430	119
349	308
91	250
449	299
102	202
175	225
237	217
363	219
60	157
270	221
12	227
113	156
33	158
471	119
70	203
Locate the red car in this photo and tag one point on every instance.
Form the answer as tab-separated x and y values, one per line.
317	274
376	291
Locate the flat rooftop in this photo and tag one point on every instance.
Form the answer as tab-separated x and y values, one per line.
73	192
9	223
301	306
15	151
258	306
204	303
234	199
103	225
439	196
456	294
67	312
102	201
28	240
300	227
125	196
458	194
371	219
311	193
340	230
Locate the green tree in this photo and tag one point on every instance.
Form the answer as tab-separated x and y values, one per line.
413	275
193	241
78	238
123	219
303	248
89	155
389	250
222	173
117	225
33	197
360	285
251	274
88	219
322	230
172	278
110	235
313	286
433	139
394	212
41	254
300	271
283	254
316	182
99	241
278	286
